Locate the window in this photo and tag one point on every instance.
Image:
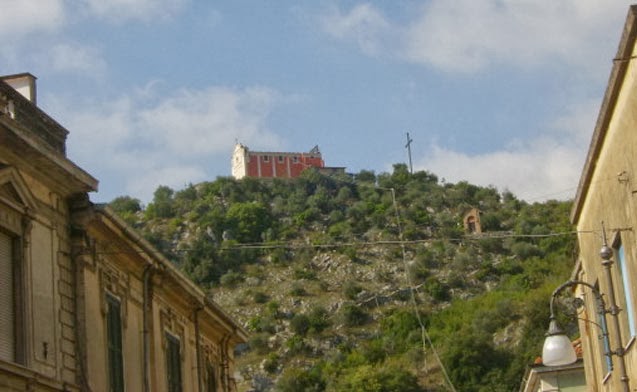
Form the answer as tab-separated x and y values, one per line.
173	363
295	159
280	158
607	362
211	380
7	300
114	337
625	297
266	159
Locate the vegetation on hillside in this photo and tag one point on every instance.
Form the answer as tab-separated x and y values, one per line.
368	282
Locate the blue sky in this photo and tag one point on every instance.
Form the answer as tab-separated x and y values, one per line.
156	92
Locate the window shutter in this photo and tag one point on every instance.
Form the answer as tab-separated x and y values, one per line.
173	363
7	300
211	379
114	335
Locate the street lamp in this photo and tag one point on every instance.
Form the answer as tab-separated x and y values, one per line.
558	350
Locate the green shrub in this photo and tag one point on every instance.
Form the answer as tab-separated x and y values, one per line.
260	297
271	363
261	323
231	279
351	290
259	343
298	290
352	315
437	290
297	346
305	272
297	380
319	319
370	378
300	324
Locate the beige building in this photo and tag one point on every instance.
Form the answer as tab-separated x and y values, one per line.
569	378
86	304
608	193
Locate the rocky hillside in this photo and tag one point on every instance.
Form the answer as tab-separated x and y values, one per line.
368	283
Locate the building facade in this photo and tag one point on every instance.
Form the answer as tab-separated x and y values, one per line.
86	304
605	212
568	378
259	164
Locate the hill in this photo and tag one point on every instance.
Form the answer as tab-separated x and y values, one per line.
370	282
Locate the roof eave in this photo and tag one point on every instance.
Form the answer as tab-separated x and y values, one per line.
616	79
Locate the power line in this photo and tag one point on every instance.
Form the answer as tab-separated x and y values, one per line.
412	289
361	244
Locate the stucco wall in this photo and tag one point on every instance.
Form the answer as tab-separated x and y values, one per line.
611	199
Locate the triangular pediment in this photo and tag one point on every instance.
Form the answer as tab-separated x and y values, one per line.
14	190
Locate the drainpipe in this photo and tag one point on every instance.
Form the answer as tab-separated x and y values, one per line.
198	347
148	272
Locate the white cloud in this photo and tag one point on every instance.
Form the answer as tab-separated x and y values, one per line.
175	177
71	57
363	24
145	139
143	10
21	17
548	167
540	171
467	36
207	121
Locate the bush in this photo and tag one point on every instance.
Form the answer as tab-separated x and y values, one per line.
231	279
298	346
300	324
438	290
260	297
369	378
351	290
352	315
259	343
298	290
261	324
271	363
319	319
304	272
296	380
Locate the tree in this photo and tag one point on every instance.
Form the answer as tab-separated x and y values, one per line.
126	207
162	204
125	204
248	221
368	378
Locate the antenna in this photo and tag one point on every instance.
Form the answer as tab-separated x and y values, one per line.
408	147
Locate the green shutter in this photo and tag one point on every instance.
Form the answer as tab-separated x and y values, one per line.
211	379
173	363
114	335
7	300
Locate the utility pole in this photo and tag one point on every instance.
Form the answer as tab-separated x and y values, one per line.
408	147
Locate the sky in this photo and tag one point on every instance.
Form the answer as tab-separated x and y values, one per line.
501	93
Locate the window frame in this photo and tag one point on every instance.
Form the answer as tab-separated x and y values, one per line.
211	376
624	292
115	352
604	345
16	239
174	371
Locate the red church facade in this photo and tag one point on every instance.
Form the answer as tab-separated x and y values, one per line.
258	164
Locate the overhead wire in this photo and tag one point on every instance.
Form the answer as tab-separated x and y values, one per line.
412	289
